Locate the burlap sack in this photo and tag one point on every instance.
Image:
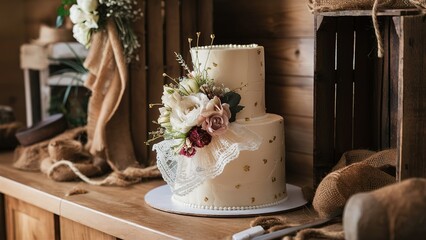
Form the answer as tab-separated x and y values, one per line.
337	187
375	159
29	158
334	5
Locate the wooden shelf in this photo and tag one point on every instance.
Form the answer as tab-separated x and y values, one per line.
387	12
116	211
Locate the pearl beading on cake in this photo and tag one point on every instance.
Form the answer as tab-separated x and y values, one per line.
191	205
228	46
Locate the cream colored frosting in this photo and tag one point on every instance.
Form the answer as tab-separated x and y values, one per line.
255	178
237	67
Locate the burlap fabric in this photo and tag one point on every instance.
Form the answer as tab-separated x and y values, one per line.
336	188
357	171
108	112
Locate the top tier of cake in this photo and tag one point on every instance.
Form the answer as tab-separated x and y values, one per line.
237	67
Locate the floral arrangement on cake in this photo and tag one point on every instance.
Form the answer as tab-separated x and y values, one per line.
89	16
198	126
194	109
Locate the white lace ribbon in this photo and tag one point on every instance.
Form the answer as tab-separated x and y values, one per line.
183	174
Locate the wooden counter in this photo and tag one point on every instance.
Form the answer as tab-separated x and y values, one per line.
116	211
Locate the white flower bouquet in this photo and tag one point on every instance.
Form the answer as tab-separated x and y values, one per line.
89	16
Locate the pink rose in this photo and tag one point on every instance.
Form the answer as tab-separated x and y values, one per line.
215	117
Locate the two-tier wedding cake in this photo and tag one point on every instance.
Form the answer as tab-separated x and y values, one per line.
241	162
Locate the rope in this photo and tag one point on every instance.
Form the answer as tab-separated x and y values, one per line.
75	170
380	49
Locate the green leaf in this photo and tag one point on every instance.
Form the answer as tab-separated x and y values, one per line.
234	110
231	98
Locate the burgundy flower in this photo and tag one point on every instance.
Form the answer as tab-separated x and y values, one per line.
199	137
187	151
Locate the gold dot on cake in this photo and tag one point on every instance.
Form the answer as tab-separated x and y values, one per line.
206	199
253	200
255	104
279	194
214	64
274	179
275	137
246	168
281	159
261	64
258	52
247	119
238	186
265	160
270	141
275	196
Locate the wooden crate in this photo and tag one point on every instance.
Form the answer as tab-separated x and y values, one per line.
365	102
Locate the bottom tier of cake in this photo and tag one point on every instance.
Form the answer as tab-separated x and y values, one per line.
254	179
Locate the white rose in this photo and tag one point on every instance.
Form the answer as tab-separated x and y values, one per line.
186	114
76	14
170	99
88	5
82	34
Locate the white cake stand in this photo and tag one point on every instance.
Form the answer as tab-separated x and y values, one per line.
161	198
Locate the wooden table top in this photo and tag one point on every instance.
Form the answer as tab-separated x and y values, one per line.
120	212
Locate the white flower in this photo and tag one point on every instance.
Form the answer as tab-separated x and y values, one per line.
170	98
188	86
76	14
186	113
91	21
164	119
82	34
88	5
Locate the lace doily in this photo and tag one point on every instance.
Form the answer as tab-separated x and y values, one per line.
183	174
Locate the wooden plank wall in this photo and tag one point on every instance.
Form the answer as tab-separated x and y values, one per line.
286	30
165	29
11	76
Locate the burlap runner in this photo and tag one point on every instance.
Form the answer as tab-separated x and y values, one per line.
108	113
